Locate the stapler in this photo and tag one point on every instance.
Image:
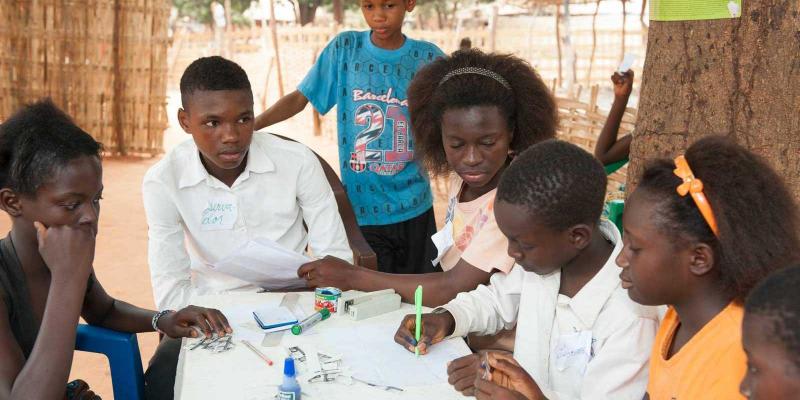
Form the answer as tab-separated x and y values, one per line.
361	305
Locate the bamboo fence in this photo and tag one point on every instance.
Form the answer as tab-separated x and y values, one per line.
580	123
104	62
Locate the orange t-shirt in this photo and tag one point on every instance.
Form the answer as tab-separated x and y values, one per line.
709	366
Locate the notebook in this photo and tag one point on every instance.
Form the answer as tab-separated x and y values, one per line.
274	317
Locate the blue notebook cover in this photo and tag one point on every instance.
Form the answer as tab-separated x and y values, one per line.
274	317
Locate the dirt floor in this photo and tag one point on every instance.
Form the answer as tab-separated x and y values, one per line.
121	258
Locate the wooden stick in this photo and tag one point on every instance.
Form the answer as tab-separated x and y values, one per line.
558	41
624	18
314	113
274	29
594	43
118	89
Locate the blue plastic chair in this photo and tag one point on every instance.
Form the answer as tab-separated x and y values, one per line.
122	350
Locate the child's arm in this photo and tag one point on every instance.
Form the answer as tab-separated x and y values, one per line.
326	234
440	287
103	310
288	106
485	311
608	148
68	252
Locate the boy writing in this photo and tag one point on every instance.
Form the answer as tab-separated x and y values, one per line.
578	335
366	74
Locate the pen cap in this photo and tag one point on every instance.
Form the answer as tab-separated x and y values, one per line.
288	366
325	313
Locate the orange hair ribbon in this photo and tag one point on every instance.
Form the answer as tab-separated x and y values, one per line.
694	186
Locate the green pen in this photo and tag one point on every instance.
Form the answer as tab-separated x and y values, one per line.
418	305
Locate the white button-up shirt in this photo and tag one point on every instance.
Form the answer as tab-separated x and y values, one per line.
194	219
595	345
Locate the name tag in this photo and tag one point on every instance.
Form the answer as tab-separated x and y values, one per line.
574	350
443	241
220	213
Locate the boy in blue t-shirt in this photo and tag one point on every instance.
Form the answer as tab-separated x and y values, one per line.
366	74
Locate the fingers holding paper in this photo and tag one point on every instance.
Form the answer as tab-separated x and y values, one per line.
328	272
435	327
623	83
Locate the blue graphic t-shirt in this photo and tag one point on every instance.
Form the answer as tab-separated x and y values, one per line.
376	149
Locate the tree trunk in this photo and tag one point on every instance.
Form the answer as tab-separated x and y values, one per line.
441	17
308	10
338	11
734	77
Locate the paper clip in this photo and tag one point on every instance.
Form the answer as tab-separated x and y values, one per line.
377	386
325	376
297	353
485	365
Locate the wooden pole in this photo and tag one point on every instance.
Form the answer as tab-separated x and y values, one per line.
594	43
266	84
338	12
273	26
558	41
568	49
314	113
641	21
118	81
493	30
624	20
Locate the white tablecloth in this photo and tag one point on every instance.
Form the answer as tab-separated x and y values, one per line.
240	374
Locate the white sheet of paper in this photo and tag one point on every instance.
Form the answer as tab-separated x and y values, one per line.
443	241
627	63
371	354
733	8
574	350
220	213
265	263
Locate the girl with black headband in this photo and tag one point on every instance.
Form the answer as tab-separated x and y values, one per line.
470	113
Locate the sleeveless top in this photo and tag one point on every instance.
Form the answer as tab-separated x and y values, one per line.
14	293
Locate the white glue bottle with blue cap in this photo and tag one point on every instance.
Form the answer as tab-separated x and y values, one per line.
289	389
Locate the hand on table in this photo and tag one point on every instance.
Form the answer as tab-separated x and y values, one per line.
328	272
435	327
193	320
506	380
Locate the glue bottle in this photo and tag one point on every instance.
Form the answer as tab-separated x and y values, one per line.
289	389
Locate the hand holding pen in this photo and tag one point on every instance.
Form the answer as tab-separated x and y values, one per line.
434	328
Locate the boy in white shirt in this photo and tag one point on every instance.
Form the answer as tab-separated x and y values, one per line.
579	336
213	194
